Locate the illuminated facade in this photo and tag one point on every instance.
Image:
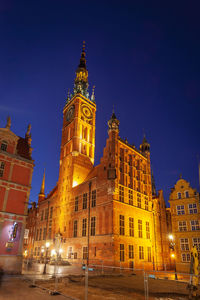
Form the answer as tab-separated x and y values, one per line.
185	218
113	200
16	167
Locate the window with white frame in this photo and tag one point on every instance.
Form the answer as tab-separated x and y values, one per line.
4	146
192	208
180	209
196	242
185	257
184	244
182	226
194	225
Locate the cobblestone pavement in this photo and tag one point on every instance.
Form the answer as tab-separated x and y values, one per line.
16	288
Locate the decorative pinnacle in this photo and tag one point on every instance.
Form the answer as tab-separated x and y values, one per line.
8	124
28	130
43	184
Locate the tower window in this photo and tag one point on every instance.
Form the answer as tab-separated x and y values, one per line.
75	228
121	225
131	226
94	198
121	193
121	252
85	201
149	254
141	252
147	230
93	225
84	227
140	228
186	194
76	204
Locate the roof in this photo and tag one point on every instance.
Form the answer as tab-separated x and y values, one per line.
23	148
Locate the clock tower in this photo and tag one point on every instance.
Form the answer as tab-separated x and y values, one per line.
78	132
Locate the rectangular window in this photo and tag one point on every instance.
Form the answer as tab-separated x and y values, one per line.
1	173
184	244
131	226
40	237
42	215
149	254
121	225
179	195
185	257
130	197
139	202
196	242
94	195
121	252
51	212
195	225
37	235
180	209
141	252
84	227
75	255
121	193
146	203
85	251
186	194
147	230
85	201
38	253
182	226
49	233
93	225
35	252
75	228
2	166
140	228
131	251
76	204
46	213
70	252
192	208
44	233
4	146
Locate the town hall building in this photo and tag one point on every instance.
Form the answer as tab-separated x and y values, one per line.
106	213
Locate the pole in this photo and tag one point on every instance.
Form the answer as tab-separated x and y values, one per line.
88	243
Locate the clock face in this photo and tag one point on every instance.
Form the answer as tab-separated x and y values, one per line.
86	111
70	113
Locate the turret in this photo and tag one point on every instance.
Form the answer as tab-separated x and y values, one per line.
41	195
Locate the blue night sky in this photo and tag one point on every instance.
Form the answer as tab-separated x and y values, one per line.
142	56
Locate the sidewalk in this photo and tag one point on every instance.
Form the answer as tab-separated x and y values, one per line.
16	288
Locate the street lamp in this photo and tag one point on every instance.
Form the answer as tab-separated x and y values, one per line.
45	264
172	247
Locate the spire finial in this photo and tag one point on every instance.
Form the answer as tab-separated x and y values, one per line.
113	110
43	184
8	124
28	130
81	80
93	95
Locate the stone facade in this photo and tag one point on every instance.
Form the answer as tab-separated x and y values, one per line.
16	167
109	206
185	218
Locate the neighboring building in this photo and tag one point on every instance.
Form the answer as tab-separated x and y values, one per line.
112	199
16	167
30	230
185	218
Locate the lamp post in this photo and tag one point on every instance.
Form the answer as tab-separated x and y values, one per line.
45	264
172	247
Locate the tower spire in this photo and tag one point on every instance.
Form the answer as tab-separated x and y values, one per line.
43	185
81	80
113	123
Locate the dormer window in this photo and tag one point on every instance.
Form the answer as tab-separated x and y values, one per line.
4	146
